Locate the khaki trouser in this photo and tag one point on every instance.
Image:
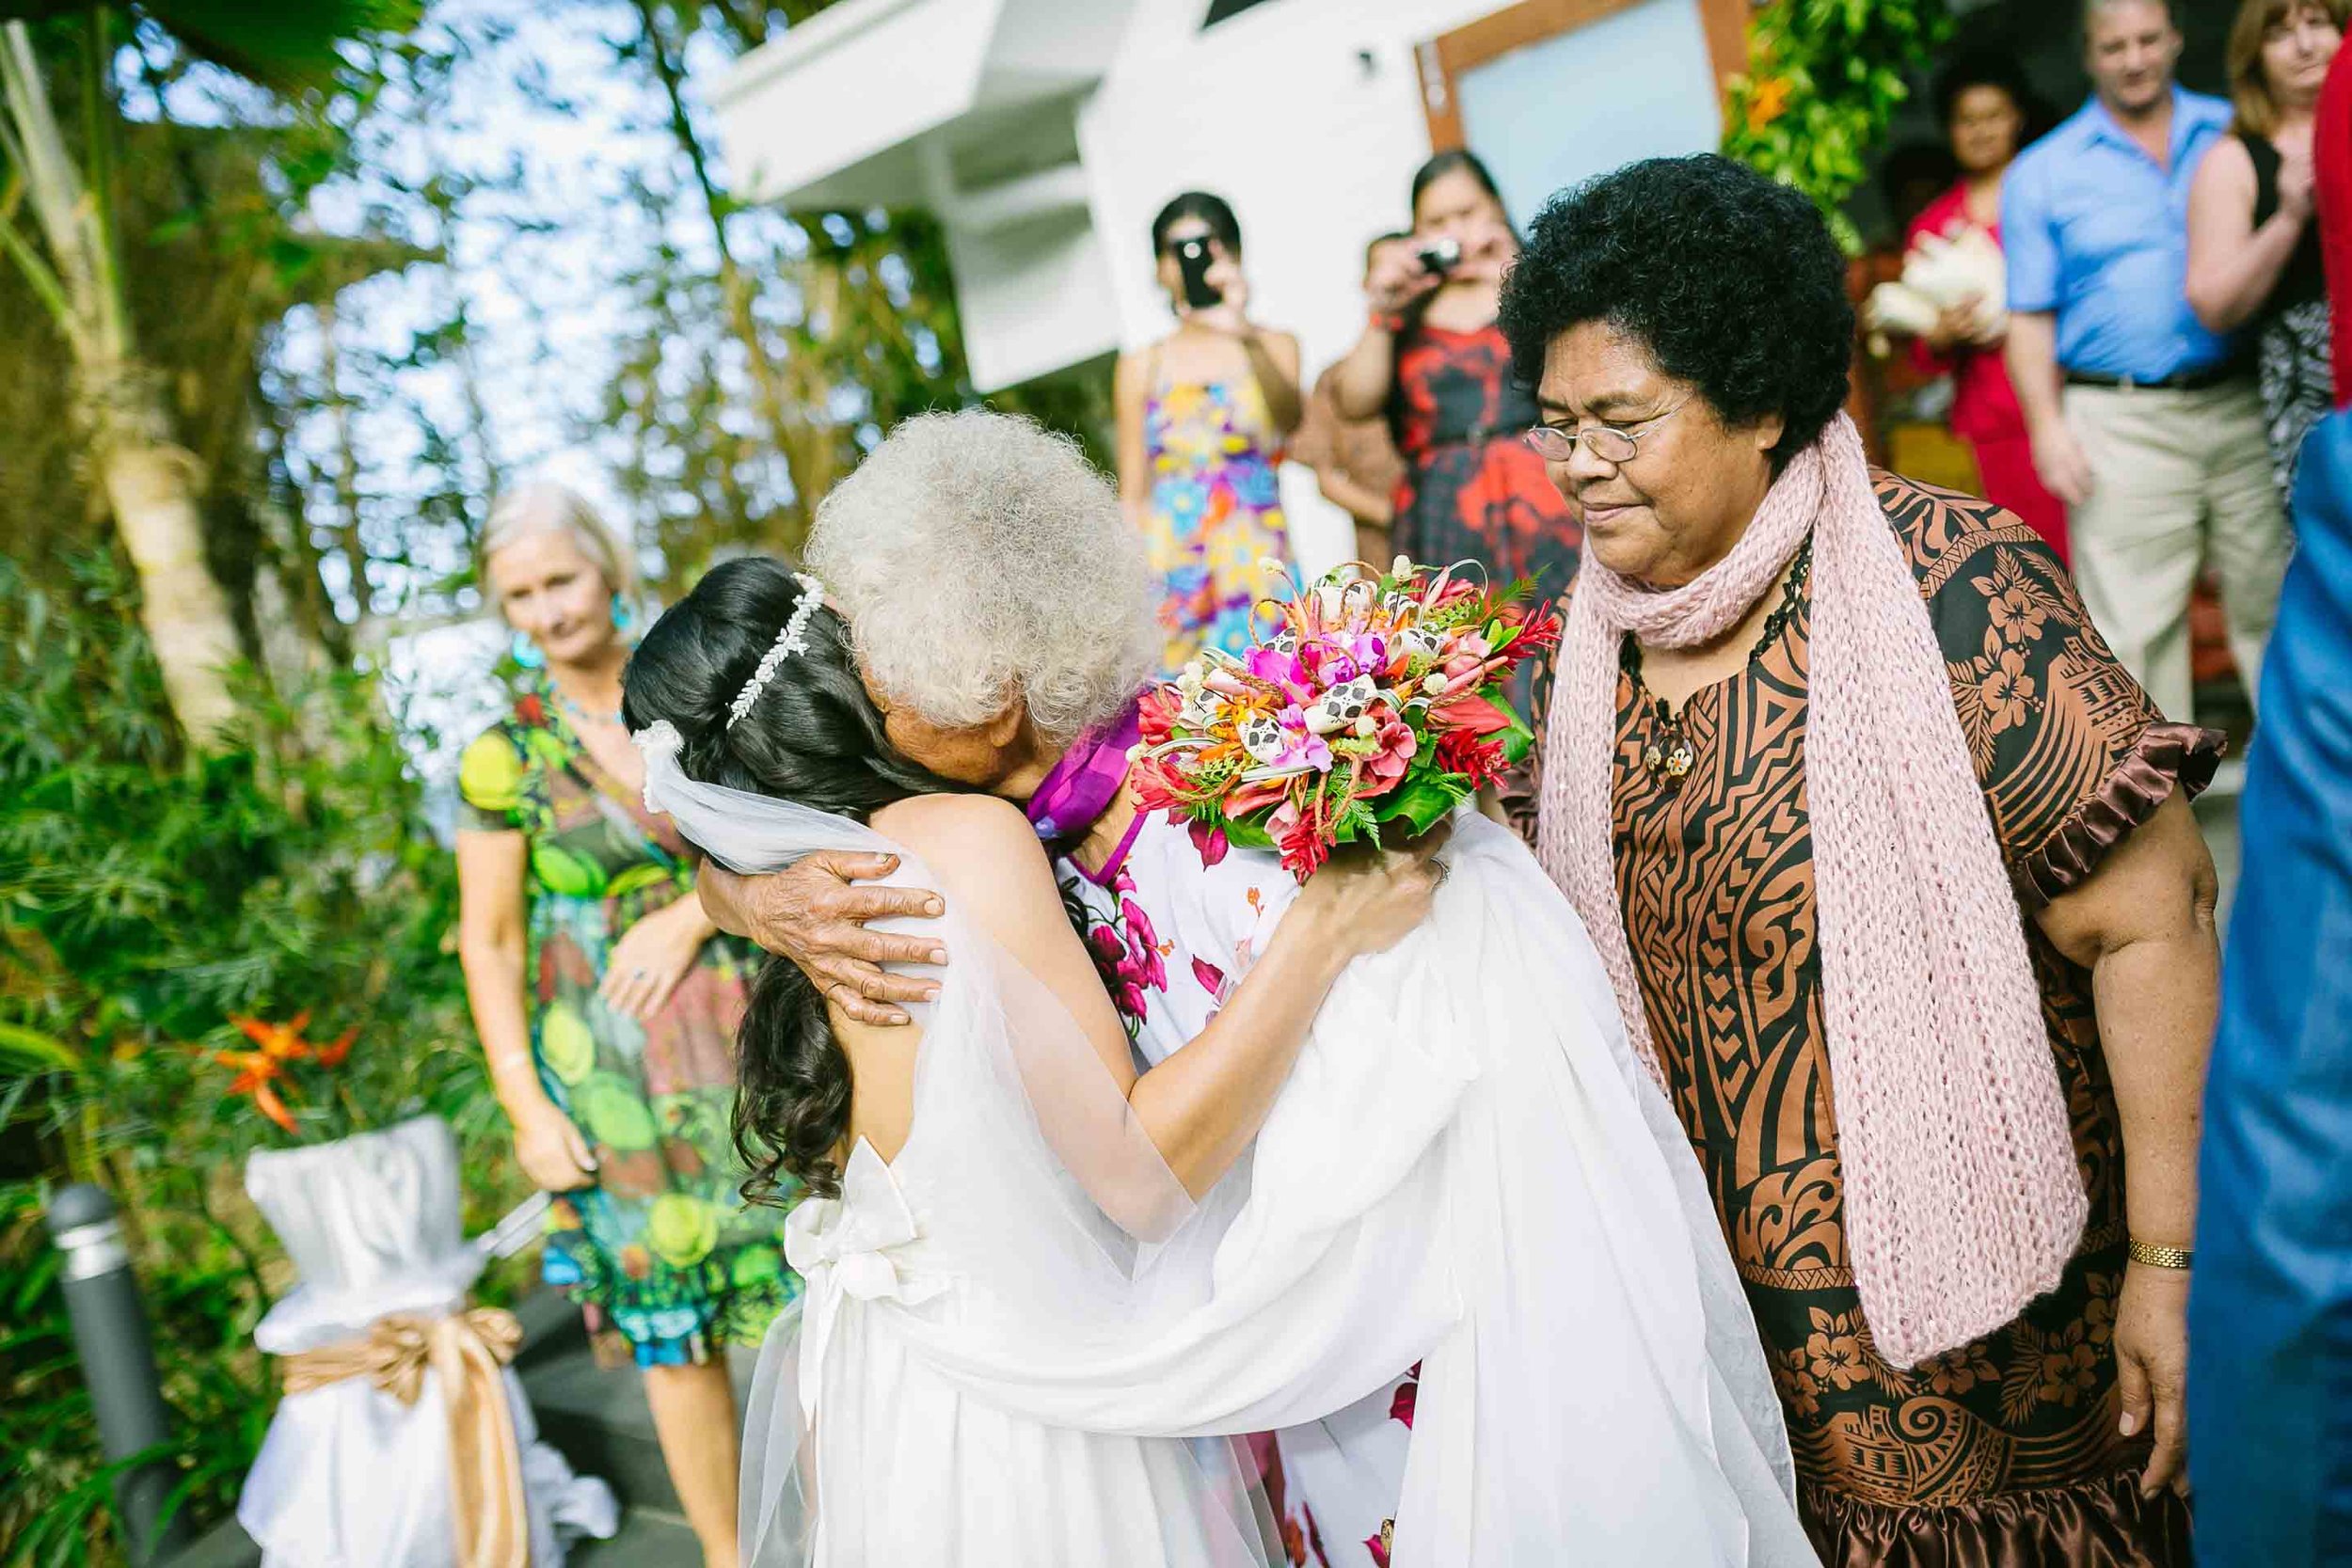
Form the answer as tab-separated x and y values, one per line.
2176	477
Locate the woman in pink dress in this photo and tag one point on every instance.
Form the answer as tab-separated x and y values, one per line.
1986	108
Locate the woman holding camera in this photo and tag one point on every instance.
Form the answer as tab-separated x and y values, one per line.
1432	360
1203	415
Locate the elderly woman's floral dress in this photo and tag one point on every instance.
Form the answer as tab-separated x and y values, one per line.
2005	1451
1332	1484
1215	515
667	1261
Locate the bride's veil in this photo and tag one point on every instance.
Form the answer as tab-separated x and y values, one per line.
1034	1174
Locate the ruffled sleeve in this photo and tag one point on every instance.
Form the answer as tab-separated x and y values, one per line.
2163	758
2069	751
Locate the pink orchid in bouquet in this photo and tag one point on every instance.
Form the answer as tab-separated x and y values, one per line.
1373	709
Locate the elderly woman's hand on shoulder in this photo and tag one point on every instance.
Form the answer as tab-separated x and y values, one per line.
814	914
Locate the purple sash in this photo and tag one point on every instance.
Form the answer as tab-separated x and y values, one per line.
1086	781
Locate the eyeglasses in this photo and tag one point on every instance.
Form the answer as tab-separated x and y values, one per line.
1609	444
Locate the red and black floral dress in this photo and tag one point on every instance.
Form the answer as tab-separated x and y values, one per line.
2004	1451
1473	491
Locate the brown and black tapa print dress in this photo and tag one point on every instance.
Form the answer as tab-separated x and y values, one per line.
2004	1452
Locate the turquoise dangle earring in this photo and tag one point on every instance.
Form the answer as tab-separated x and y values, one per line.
526	653
623	618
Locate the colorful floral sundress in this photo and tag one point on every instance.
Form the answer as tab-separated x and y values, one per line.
1216	512
665	1258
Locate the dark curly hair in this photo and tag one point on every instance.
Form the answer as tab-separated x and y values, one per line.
1730	281
814	737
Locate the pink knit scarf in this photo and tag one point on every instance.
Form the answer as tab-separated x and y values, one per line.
1962	1199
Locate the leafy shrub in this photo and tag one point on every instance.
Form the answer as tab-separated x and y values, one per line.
148	896
1824	79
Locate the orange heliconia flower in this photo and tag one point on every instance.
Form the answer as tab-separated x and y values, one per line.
260	1071
257	1071
1767	101
280	1042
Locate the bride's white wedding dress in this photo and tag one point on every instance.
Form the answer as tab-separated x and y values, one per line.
1011	1331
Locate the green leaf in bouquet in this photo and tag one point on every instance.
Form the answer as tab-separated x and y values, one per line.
1357	823
1422	802
1241	832
1518	739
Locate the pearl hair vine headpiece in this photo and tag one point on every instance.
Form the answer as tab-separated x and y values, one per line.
792	639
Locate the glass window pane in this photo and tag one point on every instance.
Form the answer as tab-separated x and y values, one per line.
1636	84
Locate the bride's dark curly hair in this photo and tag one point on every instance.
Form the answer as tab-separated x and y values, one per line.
814	737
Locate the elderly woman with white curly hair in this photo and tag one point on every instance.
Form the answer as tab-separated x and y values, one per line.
977	578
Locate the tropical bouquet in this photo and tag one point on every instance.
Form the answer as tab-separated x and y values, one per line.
1376	707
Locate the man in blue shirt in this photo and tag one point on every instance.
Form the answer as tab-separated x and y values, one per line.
2146	425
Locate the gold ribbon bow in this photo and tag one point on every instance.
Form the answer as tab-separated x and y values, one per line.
468	1351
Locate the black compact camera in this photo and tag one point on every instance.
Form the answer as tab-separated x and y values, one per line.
1440	256
1192	264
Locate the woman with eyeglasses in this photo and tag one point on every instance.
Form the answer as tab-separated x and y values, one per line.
1433	362
1892	866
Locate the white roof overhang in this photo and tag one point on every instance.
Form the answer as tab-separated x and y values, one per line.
903	103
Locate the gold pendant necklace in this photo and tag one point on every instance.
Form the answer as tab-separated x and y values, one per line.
1668	754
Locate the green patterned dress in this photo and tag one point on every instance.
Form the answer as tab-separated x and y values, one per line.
662	1254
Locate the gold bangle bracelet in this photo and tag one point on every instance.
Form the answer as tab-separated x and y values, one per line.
2158	1256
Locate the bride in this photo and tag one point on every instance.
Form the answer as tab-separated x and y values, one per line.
1033	1273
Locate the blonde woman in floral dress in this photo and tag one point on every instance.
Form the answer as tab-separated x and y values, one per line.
1203	416
606	1006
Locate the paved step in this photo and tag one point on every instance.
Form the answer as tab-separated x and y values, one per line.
648	1538
598	1420
226	1546
599	1417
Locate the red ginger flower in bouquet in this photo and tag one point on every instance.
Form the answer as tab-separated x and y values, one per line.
1376	707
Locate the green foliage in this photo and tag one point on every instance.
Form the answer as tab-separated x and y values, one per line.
1824	79
279	46
147	894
